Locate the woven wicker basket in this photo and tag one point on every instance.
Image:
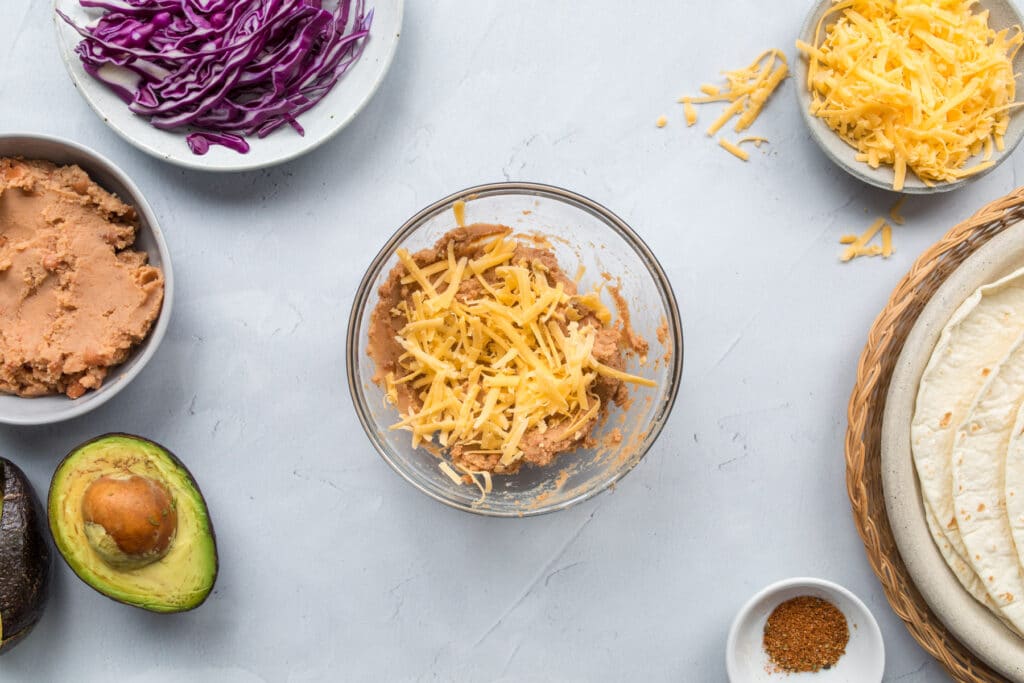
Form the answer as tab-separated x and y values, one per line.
863	436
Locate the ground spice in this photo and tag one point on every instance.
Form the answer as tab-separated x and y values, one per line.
805	634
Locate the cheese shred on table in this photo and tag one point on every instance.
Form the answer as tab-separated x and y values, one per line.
747	92
518	357
859	245
734	149
894	212
920	85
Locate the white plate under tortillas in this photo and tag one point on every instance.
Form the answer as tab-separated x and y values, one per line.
967	343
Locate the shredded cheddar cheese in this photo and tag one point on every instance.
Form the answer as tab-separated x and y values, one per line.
486	487
516	357
690	112
920	85
894	212
450	473
747	92
886	241
758	141
661	122
733	149
859	245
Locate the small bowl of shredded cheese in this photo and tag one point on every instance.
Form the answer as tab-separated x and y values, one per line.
514	349
912	96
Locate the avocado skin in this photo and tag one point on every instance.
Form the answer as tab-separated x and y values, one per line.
25	557
180	466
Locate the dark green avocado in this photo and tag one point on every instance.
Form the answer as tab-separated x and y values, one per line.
130	521
24	557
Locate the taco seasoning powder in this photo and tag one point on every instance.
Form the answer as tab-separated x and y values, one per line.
805	634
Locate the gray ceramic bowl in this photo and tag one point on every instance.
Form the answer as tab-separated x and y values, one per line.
582	233
49	409
1002	14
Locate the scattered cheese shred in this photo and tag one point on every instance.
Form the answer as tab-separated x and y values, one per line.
690	112
517	357
747	92
758	141
733	149
459	208
918	85
729	112
859	244
661	122
894	212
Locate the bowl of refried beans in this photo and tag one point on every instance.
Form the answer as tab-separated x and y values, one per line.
85	280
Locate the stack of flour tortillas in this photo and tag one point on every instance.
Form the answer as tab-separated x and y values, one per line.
967	437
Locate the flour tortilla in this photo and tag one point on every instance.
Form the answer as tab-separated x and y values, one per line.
1015	485
979	484
963	571
977	336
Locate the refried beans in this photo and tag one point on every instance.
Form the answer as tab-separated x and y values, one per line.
559	432
75	299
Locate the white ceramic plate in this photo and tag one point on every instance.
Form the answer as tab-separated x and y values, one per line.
971	623
15	410
334	112
747	662
1003	14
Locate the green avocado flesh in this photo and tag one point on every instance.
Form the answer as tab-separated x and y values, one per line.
182	578
24	557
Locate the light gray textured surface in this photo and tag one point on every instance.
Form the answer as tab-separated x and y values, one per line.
332	567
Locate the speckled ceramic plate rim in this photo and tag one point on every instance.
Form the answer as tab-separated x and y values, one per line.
67	151
170	146
1003	12
970	622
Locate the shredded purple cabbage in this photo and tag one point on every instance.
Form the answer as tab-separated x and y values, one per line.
200	143
225	68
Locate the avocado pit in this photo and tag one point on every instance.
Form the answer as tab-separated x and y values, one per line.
130	521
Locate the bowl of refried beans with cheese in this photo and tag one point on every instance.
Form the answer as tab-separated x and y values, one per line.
514	349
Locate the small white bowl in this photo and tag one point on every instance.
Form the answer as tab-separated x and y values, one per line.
1002	14
15	410
747	662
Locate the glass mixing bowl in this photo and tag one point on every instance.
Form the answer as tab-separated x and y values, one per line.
581	233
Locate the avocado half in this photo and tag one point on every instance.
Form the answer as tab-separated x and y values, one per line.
24	557
130	521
